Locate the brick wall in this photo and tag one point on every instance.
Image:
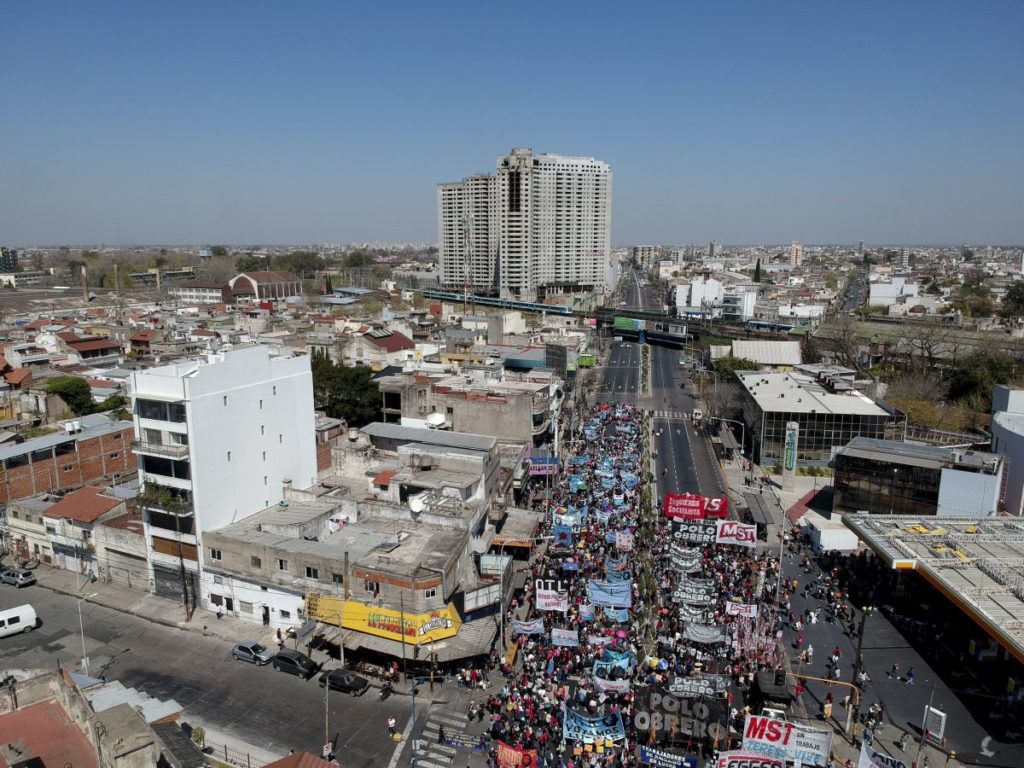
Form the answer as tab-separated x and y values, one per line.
96	458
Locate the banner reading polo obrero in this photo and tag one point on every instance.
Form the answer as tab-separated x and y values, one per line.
587	728
743	759
741	609
615	594
514	757
783	740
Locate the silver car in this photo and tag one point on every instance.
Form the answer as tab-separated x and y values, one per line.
18	577
253	652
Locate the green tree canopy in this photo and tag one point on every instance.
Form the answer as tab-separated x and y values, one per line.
250	263
344	392
300	262
757	272
725	367
1013	300
73	391
219	250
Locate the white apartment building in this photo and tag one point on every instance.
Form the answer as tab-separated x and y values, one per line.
700	296
216	440
540	225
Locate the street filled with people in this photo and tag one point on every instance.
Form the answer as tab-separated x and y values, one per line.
640	635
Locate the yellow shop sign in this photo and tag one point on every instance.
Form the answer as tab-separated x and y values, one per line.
416	628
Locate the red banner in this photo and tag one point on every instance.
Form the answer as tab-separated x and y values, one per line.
690	506
514	757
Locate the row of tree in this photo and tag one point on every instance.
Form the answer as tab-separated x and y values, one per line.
345	392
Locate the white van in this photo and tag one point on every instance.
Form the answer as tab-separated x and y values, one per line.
16	620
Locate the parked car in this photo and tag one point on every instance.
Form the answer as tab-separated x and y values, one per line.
19	577
252	652
295	663
346	682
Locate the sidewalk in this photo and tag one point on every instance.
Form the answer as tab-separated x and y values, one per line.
146	606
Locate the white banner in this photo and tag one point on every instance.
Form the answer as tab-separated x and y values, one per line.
783	740
741	609
871	759
550	600
613	686
740	534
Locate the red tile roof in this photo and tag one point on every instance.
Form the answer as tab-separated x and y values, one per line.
16	378
201	332
49	734
92	346
384	477
83	505
272	277
396	342
143	336
300	760
3	362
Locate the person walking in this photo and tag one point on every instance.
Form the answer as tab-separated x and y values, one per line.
894	672
910	676
391	725
440	734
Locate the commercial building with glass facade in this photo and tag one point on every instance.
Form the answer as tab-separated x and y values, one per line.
894	478
827	410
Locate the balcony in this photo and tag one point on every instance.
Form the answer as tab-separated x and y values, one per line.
160	449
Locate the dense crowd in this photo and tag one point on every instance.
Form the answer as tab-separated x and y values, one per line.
607	659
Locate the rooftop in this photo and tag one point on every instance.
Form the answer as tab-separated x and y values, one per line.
84	505
796	393
49	734
430	437
48	441
919	455
977	564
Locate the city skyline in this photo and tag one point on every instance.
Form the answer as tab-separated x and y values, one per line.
740	124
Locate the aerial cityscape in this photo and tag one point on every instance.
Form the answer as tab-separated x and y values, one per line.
578	387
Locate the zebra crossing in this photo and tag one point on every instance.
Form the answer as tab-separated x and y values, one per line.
430	754
673	415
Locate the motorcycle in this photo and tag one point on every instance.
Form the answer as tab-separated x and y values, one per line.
386	690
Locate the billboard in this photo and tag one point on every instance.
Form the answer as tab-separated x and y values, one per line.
790	447
412	628
629	324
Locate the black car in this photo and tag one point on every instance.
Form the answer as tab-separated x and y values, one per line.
295	663
346	682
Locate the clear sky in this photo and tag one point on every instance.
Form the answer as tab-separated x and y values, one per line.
300	122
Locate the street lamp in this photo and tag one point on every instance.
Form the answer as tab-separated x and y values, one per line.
81	629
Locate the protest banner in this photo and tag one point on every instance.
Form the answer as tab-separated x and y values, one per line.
662	758
741	609
694	532
731	532
783	740
535	627
703	633
567	638
695	687
741	759
869	758
588	728
515	757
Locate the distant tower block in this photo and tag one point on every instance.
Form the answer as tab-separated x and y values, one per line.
796	254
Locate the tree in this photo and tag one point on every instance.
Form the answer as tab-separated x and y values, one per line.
300	262
757	271
1013	300
328	287
831	281
218	250
344	392
73	391
358	258
725	367
251	263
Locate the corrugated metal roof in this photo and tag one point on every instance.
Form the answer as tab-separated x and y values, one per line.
430	436
768	352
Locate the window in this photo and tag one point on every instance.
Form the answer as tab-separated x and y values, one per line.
429	593
51	529
264	455
337	578
255	562
14	514
215	554
263	429
218	579
285	614
244	607
282	565
261	405
371	586
113	456
312	573
225	399
275	389
229	455
264	479
280	438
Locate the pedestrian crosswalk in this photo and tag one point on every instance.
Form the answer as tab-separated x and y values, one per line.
431	754
669	414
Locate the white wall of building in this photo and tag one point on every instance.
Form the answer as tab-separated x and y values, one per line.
248	600
968	494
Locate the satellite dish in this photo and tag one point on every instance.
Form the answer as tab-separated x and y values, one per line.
417	503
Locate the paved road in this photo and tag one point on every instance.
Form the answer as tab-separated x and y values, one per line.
257	705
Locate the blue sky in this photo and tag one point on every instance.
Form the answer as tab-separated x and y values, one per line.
742	122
